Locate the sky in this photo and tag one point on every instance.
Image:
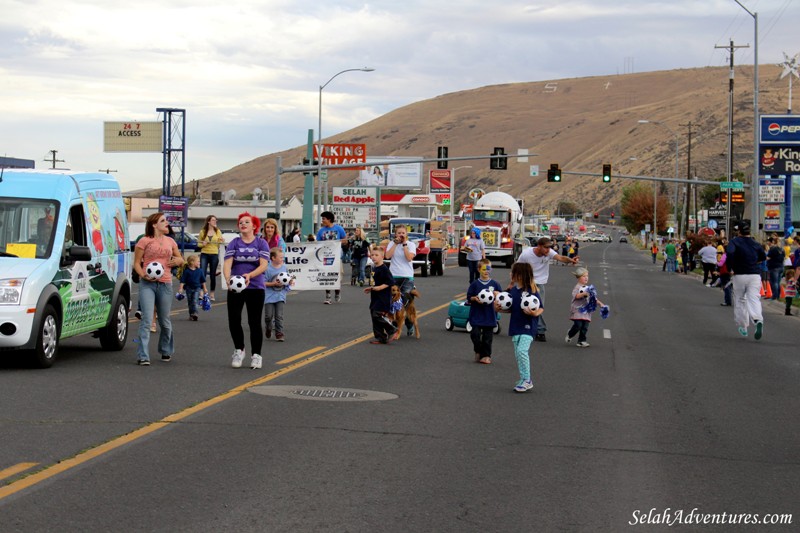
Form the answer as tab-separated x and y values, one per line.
248	72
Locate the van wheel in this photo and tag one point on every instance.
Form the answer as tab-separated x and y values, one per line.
115	334
46	350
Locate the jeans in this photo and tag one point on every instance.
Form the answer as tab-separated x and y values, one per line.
362	264
727	290
406	285
473	270
273	313
382	327
213	261
670	264
191	298
775	275
579	328
541	326
155	296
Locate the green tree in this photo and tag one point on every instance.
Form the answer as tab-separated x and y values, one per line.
566	208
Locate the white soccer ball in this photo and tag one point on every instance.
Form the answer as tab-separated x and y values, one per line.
154	270
583	290
237	283
486	296
283	278
505	300
529	301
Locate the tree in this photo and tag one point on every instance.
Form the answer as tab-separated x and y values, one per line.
565	207
637	207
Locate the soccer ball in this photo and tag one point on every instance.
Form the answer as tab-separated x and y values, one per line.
154	270
504	299
583	290
486	296
529	301
237	284
284	278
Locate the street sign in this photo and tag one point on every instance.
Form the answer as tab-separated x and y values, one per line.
534	170
323	176
735	185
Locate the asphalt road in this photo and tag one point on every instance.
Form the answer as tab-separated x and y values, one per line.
667	411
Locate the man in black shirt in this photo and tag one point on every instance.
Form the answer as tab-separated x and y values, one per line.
744	258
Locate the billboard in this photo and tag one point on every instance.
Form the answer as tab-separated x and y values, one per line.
133	137
780	129
776	160
392	173
342	154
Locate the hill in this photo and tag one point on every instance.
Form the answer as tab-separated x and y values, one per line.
579	123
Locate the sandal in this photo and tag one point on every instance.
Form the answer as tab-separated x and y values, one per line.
486	360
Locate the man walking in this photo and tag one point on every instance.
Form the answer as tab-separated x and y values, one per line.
539	257
401	252
331	232
744	258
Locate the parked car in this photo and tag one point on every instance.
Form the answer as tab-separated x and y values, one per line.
623	239
189	242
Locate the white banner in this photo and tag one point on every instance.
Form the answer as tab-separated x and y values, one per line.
315	265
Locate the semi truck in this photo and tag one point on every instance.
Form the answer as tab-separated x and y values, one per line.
498	216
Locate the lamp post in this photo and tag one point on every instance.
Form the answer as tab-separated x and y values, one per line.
319	135
659	123
453	198
754	211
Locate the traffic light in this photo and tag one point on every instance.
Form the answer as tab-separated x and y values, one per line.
498	163
442	154
596	215
554	173
606	173
612	214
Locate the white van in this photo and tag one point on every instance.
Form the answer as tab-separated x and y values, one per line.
65	261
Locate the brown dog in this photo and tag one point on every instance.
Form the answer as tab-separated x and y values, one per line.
408	311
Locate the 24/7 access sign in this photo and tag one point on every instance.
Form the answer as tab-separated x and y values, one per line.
133	137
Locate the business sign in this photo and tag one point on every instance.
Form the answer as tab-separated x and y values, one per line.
771	191
355	195
351	217
779	160
737	197
342	154
772	217
133	137
439	180
175	209
780	129
391	172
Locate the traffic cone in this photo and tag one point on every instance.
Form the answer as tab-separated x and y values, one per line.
768	290
783	293
762	292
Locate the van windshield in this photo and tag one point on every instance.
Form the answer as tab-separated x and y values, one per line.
27	227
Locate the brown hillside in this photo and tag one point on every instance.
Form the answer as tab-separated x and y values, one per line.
581	124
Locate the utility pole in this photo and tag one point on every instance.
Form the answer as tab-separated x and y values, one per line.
732	49
685	211
107	171
53	159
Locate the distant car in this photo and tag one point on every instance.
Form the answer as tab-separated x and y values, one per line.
623	239
189	243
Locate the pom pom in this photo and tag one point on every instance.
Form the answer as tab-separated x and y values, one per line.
206	304
604	311
179	296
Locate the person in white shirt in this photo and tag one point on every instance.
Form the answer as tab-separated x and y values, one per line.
401	252
708	256
539	257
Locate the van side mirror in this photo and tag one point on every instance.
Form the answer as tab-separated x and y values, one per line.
77	252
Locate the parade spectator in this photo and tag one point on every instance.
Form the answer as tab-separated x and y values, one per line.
476	250
331	232
684	250
482	317
708	258
296	235
380	299
210	238
275	294
539	257
156	293
654	251
401	252
272	235
359	250
745	257
789	290
248	256
725	278
775	256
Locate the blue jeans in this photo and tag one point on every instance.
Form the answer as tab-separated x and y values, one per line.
155	296
213	261
362	264
541	326
191	297
473	270
670	264
406	285
775	275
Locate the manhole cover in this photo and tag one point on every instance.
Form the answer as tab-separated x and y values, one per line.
328	394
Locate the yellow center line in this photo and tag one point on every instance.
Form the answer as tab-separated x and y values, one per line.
300	355
97	451
16	469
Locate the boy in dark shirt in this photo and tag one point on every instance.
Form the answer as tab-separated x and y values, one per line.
380	301
193	280
482	317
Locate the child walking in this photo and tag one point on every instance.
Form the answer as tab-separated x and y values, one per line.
380	298
789	289
193	280
523	322
482	317
584	303
275	294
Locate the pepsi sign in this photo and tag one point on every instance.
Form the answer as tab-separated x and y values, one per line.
780	129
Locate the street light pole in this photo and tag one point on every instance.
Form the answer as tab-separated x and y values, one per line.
319	139
452	199
658	122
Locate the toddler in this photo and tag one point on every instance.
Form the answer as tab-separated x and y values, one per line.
584	303
275	294
193	280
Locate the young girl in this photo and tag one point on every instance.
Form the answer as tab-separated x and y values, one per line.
193	280
275	295
581	309
523	322
247	255
789	289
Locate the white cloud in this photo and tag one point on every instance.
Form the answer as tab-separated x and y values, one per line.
248	72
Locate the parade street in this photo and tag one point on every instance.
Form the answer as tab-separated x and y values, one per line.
668	416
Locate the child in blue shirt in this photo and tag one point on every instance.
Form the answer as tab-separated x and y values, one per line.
275	294
193	280
482	317
523	322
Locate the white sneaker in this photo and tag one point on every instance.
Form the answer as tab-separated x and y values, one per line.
568	339
255	361
238	357
583	344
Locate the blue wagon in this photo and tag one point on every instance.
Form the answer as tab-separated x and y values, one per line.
458	316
